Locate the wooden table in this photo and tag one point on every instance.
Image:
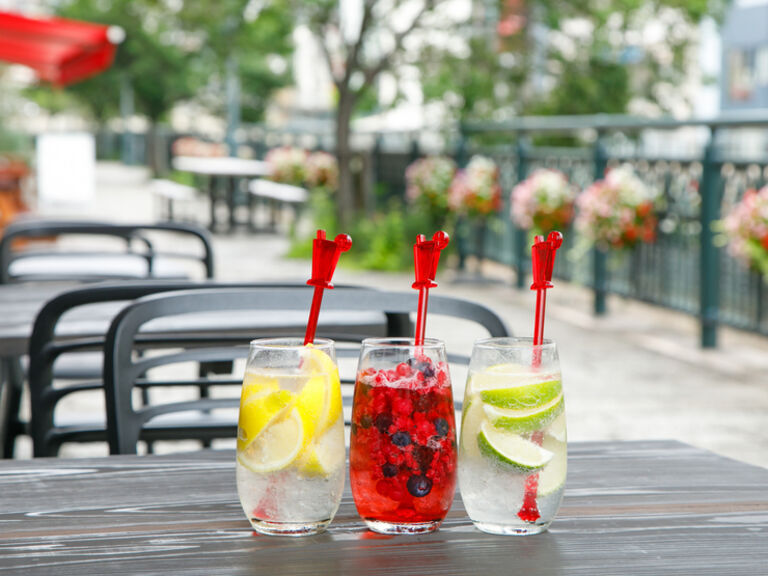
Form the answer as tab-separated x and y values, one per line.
222	168
657	507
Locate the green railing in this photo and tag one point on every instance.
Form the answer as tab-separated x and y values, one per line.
700	180
685	268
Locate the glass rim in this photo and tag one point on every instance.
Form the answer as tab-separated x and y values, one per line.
289	343
398	343
514	343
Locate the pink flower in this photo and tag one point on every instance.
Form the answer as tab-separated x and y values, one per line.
616	211
746	227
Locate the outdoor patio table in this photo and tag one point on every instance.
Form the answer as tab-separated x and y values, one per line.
224	168
648	507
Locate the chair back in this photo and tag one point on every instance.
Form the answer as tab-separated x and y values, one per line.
90	309
124	369
43	250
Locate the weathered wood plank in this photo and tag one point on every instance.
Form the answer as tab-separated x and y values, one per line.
630	507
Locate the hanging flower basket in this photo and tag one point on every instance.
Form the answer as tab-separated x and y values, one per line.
617	212
746	227
322	171
543	202
475	190
287	165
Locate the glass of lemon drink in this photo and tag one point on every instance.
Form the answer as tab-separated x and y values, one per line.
290	437
512	445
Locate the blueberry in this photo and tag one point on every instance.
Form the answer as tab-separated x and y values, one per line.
366	421
442	427
419	486
401	439
423	456
389	470
422	366
383	422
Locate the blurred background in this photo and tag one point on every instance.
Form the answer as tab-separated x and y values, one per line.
403	116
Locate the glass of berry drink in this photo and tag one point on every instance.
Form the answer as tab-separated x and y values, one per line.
403	438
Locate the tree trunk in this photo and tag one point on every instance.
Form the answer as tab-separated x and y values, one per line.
345	194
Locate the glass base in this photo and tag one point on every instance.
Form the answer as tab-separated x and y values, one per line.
404	528
271	528
522	529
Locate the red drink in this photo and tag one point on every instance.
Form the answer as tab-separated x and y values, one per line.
403	446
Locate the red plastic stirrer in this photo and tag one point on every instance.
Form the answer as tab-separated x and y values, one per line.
325	256
542	264
426	255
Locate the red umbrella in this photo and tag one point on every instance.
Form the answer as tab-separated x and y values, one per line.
61	51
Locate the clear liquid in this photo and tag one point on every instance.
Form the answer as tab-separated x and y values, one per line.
298	498
493	492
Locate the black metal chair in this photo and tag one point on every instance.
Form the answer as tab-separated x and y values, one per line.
114	251
121	251
124	370
49	347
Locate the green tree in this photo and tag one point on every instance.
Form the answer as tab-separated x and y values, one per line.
256	36
357	58
597	70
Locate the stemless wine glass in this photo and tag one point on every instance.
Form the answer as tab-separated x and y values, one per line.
513	445
403	438
290	437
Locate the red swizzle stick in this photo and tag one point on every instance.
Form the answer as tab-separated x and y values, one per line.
542	264
325	256
426	255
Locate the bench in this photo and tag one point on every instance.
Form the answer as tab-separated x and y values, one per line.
170	192
278	195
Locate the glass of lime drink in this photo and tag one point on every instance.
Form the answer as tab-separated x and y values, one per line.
290	437
512	443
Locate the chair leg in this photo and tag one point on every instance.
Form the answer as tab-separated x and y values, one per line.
11	387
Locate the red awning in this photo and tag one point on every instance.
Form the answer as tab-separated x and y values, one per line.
60	51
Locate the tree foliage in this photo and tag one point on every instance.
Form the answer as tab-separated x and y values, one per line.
175	52
569	57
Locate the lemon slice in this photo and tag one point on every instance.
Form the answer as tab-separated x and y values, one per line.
257	410
522	421
511	450
320	365
258	385
311	404
276	447
325	456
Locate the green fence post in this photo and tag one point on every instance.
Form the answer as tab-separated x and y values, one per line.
523	147
599	270
461	161
709	273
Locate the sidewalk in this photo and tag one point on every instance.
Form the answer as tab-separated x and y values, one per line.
637	373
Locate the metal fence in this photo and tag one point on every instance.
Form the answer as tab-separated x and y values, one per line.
698	166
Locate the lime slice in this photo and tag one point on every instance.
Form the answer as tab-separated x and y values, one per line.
522	421
324	456
276	447
471	419
552	477
257	410
557	428
511	450
530	395
318	363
